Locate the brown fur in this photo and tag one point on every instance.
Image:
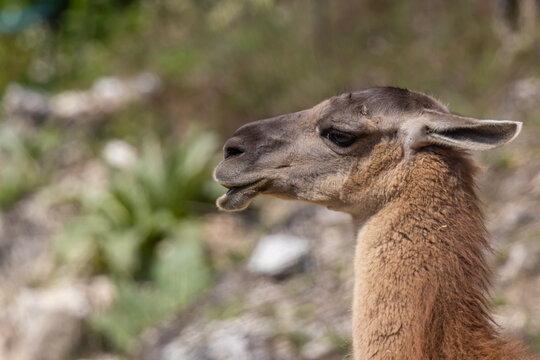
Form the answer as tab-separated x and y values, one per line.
421	272
421	277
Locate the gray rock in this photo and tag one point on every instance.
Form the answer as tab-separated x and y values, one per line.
278	255
182	350
120	154
25	104
243	338
106	96
317	349
522	261
46	324
43	324
526	90
229	343
104	357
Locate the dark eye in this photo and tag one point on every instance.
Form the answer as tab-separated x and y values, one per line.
339	138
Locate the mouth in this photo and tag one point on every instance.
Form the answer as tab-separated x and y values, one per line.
238	197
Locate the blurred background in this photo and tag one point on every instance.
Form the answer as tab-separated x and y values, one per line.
113	115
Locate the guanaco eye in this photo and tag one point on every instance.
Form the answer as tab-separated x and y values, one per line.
339	138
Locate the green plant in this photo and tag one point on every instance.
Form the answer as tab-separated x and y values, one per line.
22	162
179	274
535	341
339	342
142	230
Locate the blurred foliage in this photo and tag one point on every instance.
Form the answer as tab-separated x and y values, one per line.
23	162
18	15
75	34
180	273
535	341
230	61
142	230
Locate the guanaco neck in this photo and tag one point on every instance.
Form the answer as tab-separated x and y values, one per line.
421	275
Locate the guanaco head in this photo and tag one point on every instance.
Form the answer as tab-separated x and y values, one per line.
353	141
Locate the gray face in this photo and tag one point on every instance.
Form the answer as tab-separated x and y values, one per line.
304	156
312	155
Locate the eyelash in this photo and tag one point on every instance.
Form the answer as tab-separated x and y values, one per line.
333	135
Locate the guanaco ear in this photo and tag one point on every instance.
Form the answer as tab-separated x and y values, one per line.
460	132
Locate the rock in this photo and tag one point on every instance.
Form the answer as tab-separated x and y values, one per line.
120	154
278	255
228	343
317	349
522	261
46	324
26	105
511	216
243	338
104	357
25	243
106	96
111	93
526	90
73	104
182	350
43	324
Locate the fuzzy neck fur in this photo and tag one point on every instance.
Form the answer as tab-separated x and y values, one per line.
421	276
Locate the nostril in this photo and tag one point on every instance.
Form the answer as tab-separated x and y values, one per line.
233	147
232	151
